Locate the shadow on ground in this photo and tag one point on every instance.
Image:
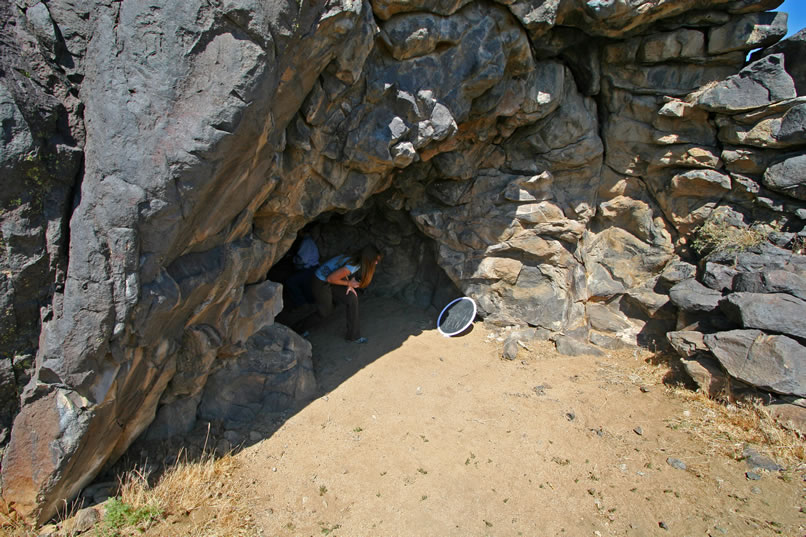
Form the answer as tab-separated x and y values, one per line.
386	323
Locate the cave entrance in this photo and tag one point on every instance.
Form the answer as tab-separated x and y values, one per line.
408	273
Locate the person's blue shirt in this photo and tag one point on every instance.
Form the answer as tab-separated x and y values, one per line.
335	263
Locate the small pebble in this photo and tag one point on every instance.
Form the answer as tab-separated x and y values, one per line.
752	476
597	533
676	463
274	469
755	490
570	416
644	389
663	525
639	431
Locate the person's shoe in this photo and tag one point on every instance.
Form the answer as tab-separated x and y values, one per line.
359	340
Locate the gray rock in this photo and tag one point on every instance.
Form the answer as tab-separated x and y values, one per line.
604	319
756	460
83	521
794	50
676	272
788	177
511	349
775	312
687	343
752	476
609	342
676	463
761	83
770	362
691	295
793	125
772	281
747	32
573	347
266	378
707	374
719	277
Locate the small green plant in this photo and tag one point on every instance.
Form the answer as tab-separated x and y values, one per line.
717	235
422	471
357	430
322	490
327	531
120	515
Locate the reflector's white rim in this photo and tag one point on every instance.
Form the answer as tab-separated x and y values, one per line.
472	318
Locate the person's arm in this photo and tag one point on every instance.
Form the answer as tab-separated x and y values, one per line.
342	277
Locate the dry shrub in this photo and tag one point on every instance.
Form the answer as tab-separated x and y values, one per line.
196	498
717	235
11	526
728	427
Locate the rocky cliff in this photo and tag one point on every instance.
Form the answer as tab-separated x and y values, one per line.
555	158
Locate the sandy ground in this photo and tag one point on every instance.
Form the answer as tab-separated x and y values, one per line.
415	434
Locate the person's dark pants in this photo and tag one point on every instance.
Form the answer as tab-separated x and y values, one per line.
299	289
325	295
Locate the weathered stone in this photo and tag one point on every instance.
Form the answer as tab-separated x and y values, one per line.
687	343
263	379
791	416
83	521
788	177
747	32
570	346
772	281
707	375
691	295
604	319
794	50
677	272
672	45
719	277
772	362
793	125
761	83
610	342
775	312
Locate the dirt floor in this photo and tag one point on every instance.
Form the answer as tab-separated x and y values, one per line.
415	434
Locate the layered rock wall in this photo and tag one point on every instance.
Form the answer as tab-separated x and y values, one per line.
552	157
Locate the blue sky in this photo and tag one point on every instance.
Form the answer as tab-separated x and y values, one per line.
797	14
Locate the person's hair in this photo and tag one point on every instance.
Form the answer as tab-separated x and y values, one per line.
366	257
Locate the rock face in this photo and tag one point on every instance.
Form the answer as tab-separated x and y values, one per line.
552	159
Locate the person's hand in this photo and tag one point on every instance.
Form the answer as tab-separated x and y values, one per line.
351	290
352	283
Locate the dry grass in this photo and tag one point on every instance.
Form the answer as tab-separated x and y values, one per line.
197	498
726	427
12	527
716	235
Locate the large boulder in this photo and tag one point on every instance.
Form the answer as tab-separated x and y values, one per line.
777	312
788	177
773	362
761	83
691	295
794	50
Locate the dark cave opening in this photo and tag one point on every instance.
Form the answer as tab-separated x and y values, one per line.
408	271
